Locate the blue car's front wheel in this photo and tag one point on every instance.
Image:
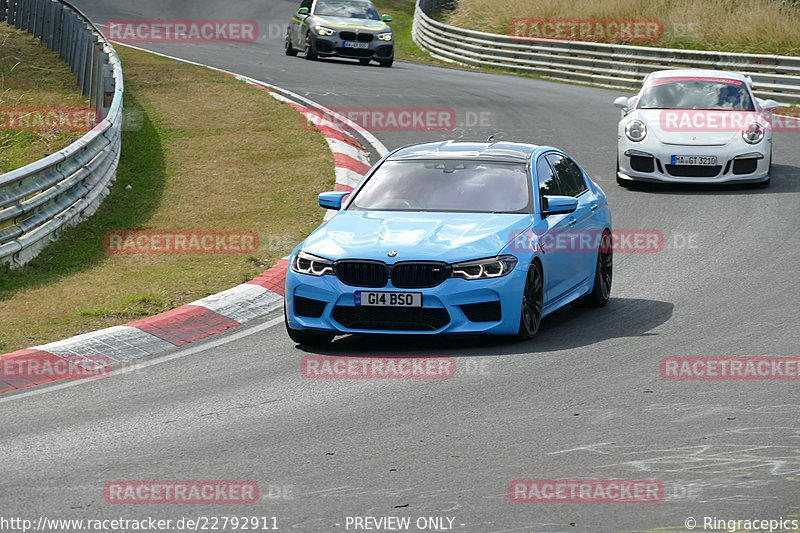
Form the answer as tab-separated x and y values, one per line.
532	298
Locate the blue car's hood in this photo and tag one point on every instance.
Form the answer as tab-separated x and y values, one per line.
447	237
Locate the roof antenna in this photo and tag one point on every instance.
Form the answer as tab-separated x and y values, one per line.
490	139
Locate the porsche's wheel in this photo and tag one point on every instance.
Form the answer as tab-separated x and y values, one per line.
288	48
621	182
532	301
310	53
365	60
306	338
601	291
765	183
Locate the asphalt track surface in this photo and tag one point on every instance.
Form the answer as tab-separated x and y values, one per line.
585	399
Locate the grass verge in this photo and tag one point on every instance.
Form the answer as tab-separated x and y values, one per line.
208	153
753	26
32	76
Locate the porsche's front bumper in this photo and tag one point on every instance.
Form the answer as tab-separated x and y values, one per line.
650	160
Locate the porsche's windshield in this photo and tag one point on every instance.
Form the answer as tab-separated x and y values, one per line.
696	93
343	8
446	185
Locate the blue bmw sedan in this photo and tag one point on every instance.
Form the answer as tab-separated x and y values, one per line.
453	238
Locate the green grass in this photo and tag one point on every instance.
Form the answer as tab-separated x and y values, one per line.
402	12
32	76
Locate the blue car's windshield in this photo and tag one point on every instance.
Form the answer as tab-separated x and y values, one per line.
446	185
353	10
696	93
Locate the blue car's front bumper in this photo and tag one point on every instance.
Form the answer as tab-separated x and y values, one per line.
442	310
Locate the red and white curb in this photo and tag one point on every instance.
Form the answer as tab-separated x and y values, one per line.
207	316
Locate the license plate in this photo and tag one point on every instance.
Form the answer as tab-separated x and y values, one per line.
695	160
389	299
352	44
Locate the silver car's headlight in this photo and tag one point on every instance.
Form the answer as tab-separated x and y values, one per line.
636	130
322	30
491	267
385	36
753	133
304	263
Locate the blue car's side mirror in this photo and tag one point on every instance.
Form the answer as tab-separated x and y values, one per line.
332	199
559	205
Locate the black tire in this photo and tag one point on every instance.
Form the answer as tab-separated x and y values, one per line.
311	55
287	46
621	182
603	273
532	300
386	62
764	184
304	337
365	60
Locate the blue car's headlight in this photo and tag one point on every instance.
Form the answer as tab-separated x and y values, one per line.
304	263
491	267
385	36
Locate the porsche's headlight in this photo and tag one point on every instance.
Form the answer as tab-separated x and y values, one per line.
636	130
322	30
753	133
385	36
304	263
491	267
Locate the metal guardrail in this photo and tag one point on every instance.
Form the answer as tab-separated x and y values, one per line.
39	201
603	64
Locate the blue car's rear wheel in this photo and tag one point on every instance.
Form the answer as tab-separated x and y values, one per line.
304	337
601	291
532	299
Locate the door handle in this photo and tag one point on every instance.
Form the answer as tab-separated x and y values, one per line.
594	207
572	221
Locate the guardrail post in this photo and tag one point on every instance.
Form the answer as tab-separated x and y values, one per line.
11	12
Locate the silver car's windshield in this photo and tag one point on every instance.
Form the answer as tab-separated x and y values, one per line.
342	8
447	186
696	93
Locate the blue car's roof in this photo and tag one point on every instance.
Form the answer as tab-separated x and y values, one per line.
500	151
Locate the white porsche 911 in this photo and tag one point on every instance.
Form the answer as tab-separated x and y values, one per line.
694	126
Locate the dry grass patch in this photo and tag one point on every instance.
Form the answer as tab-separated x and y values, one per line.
212	153
757	26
